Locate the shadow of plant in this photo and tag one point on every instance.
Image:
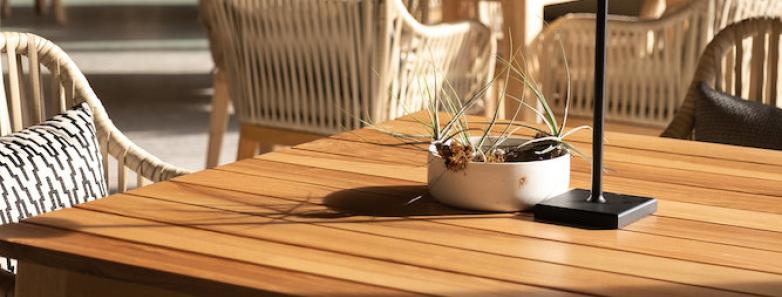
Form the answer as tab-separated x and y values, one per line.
392	201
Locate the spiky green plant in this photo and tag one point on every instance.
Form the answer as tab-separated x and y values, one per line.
447	127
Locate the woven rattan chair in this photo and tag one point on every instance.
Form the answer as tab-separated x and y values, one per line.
649	62
742	60
298	70
34	96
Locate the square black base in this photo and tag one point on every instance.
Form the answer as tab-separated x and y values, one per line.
572	209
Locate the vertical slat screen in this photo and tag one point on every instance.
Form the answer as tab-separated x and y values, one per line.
24	83
14	88
105	151
773	65
122	172
738	63
5	121
57	100
757	67
36	88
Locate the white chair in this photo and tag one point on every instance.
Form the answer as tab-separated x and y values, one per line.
34	96
649	62
41	81
298	70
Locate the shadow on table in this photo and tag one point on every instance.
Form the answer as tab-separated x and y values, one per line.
386	201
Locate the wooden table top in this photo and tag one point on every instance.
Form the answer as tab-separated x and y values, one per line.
350	215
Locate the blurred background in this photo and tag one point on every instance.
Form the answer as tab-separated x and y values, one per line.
149	63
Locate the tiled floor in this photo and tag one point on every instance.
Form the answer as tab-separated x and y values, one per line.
149	63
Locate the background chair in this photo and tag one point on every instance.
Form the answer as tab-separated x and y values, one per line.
742	60
299	70
649	61
43	81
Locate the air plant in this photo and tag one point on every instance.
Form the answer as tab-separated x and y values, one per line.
448	128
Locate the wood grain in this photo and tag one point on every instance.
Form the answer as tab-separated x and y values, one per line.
511	265
637	242
350	215
199	275
749	192
60	284
681	228
762	221
190	238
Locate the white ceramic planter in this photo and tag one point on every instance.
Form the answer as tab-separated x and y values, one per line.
503	187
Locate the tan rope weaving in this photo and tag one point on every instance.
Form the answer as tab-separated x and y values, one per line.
31	101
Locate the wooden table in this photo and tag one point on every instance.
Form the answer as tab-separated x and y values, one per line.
349	215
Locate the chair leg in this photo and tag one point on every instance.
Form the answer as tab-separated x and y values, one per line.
40	7
5	6
248	147
59	12
218	119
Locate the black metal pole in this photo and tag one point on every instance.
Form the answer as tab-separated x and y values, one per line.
599	107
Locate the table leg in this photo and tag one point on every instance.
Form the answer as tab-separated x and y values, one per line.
36	280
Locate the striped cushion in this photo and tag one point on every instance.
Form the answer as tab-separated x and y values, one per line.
52	165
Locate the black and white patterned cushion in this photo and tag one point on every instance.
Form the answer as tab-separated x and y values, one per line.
52	165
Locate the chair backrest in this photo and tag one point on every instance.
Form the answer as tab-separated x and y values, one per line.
328	66
39	80
742	60
649	62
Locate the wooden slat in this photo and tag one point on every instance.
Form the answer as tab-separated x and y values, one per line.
60	283
757	71
36	97
279	224
621	154
278	255
773	66
265	166
738	65
15	89
387	225
352	214
614	139
353	182
5	121
636	183
718	174
765	221
200	275
671	227
706	232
